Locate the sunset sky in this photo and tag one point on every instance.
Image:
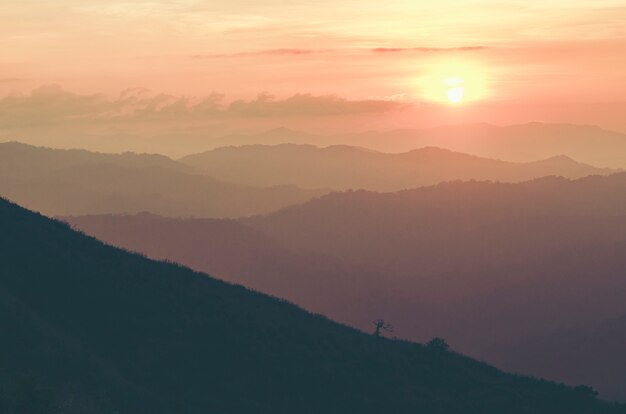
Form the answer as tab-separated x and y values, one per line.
382	64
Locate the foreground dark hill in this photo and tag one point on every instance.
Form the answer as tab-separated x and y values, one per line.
486	265
88	328
344	167
60	182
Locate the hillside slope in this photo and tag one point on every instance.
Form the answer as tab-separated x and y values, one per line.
95	329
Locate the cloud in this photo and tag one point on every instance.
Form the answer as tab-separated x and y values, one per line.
428	49
309	105
47	105
268	52
300	52
52	105
286	52
10	80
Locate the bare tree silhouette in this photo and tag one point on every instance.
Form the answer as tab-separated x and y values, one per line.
381	325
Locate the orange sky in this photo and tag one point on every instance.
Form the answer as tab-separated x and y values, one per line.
383	63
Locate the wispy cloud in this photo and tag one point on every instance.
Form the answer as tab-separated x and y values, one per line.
268	52
10	80
300	52
285	52
429	49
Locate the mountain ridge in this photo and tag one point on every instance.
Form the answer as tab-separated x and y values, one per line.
66	182
527	142
343	167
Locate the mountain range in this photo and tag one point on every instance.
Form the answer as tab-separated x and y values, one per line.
344	167
528	142
236	181
64	182
486	265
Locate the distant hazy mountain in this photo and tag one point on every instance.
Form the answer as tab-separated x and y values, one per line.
519	143
593	350
90	328
344	167
415	229
243	255
479	263
59	182
526	142
19	159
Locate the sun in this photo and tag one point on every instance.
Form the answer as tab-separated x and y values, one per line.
454	83
455	95
455	89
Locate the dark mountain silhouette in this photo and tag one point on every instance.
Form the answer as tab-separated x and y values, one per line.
59	182
479	263
344	167
90	328
520	143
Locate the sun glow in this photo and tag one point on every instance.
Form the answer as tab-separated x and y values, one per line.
453	83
